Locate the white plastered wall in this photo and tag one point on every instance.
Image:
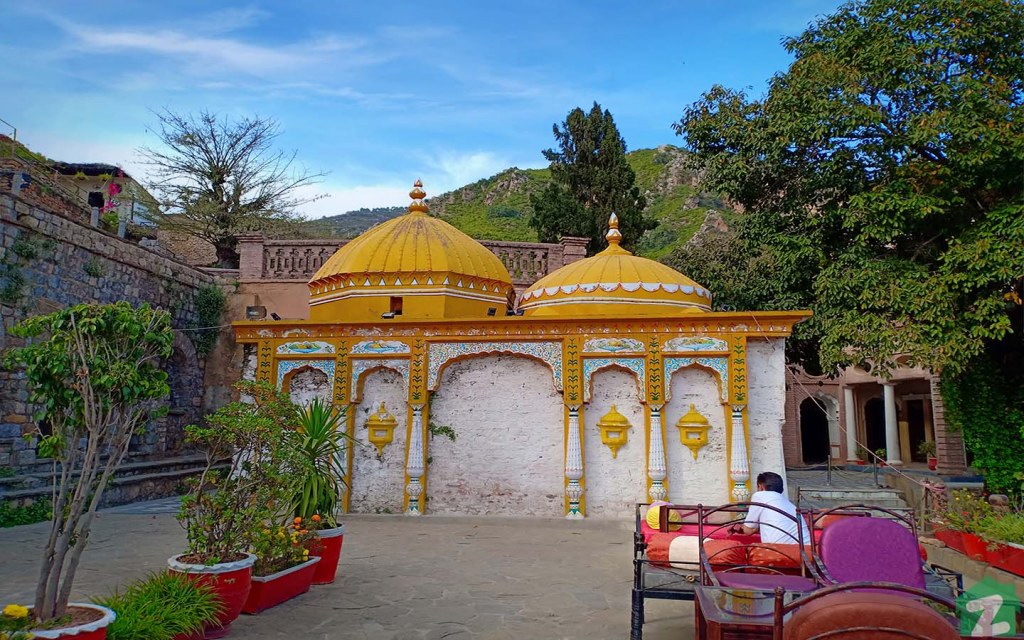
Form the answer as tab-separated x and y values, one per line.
706	479
508	455
766	394
306	384
614	485
378	485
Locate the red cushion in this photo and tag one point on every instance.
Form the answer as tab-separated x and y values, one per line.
723	553
775	555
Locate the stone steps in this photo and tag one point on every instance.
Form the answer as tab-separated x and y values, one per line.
133	481
828	497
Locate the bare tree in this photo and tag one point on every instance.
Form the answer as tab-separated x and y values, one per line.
217	178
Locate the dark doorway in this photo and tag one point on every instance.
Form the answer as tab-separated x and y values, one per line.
915	428
813	431
874	423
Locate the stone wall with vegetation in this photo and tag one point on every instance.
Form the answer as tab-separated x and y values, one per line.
49	260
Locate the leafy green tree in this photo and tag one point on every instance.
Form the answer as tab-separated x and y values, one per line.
881	176
217	178
590	180
95	371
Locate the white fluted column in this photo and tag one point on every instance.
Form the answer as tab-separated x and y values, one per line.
656	457
739	466
415	467
574	464
892	427
850	407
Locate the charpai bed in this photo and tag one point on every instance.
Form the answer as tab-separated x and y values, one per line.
669	558
677	547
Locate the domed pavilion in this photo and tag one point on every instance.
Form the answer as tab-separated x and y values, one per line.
578	399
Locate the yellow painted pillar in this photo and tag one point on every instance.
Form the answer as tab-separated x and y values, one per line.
419	408
737	435
657	472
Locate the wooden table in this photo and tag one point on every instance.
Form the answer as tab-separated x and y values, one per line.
727	613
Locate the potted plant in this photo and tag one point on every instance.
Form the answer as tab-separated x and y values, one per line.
966	515
246	482
880	455
1004	534
284	568
927	449
95	372
321	483
162	606
862	455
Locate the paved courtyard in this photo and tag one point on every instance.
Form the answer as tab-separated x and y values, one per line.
487	578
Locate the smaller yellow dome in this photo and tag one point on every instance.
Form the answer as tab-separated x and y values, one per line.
614	283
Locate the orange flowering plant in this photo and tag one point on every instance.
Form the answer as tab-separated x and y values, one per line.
281	547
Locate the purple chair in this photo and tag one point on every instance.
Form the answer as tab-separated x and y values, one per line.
870	550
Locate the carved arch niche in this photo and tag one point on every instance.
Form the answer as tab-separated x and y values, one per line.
614	482
703	384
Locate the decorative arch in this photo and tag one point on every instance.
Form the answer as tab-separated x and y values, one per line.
185	379
361	368
635	366
287	367
441	354
719	367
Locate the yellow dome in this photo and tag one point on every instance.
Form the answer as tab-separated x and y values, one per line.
436	269
614	283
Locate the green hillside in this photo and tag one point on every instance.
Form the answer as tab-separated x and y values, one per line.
498	208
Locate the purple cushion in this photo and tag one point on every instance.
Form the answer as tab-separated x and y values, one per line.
871	549
764	581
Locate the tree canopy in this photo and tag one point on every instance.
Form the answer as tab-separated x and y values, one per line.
590	179
881	176
217	178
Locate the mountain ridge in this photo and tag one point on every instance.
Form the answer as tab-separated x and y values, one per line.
498	207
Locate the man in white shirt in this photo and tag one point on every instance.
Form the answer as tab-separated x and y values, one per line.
774	527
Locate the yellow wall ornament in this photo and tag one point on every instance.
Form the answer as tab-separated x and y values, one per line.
614	430
380	428
693	430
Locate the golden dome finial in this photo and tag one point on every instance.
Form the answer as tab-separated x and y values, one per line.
417	194
613	236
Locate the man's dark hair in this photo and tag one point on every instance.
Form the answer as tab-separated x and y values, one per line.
771	481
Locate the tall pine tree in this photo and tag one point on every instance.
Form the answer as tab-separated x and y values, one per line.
590	180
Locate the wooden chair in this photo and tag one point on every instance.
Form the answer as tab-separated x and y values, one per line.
865	611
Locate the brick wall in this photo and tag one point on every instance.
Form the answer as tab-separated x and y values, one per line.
70	263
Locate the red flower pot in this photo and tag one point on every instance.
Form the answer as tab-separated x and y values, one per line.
94	630
952	538
230	581
328	547
270	591
974	547
1007	556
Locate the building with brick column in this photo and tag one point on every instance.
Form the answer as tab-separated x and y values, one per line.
840	415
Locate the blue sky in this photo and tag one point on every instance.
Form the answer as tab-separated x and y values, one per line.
379	93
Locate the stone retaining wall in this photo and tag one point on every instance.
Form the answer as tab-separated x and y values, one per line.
48	261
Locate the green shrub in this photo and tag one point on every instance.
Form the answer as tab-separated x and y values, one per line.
25	248
210	303
986	403
160	607
13	515
1003	528
94	268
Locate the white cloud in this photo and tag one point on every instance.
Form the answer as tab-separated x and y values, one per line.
440	172
344	199
450	169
